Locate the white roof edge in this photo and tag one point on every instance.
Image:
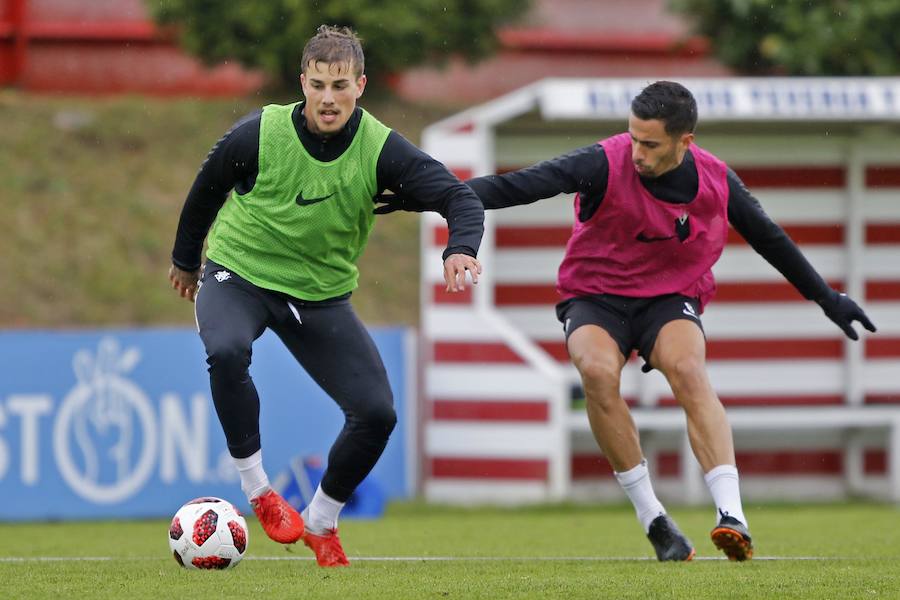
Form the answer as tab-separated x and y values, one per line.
496	110
719	98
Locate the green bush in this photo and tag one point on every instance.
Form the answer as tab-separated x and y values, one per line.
794	37
396	34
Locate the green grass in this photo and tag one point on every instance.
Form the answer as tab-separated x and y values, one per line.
93	188
541	552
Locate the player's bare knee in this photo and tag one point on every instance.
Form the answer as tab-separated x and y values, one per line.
598	372
687	375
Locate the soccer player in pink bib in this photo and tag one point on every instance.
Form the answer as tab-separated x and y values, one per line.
651	219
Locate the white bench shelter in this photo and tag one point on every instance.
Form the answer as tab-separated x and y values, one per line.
815	415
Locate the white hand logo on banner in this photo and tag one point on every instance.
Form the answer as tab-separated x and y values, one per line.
105	420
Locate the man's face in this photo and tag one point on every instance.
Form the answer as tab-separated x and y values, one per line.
331	90
653	151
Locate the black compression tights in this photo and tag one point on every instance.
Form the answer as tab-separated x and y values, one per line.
331	344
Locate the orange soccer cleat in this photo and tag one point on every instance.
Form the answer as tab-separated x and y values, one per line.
279	520
731	537
327	547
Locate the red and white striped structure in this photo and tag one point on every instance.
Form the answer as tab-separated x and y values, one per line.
807	405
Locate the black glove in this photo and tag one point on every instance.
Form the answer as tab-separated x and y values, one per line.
388	203
843	311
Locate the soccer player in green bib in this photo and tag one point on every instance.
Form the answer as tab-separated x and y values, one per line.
285	201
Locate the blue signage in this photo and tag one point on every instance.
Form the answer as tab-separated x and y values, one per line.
120	423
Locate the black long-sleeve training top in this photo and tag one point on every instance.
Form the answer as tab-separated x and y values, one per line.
586	171
233	163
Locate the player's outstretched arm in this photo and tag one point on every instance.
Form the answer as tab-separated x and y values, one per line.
386	203
841	309
766	237
583	170
455	268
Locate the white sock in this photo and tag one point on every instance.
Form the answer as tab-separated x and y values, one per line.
636	483
322	513
725	489
254	480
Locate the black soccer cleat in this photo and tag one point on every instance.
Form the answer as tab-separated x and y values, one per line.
668	541
732	537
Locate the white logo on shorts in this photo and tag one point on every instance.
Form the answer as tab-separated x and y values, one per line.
689	310
222	276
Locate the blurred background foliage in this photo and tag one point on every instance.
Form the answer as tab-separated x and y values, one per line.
396	34
800	37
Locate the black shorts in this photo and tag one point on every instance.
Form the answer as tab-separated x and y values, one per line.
633	323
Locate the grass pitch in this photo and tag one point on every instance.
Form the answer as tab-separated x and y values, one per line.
419	551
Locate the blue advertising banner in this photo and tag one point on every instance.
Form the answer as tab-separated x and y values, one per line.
120	423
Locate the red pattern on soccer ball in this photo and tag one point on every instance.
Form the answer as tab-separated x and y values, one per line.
211	562
238	535
175	530
178	558
205	526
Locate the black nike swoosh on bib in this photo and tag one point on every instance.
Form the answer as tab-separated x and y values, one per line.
307	201
643	238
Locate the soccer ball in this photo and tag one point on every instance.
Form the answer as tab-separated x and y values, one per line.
208	533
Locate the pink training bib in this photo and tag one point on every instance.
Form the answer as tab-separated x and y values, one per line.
638	246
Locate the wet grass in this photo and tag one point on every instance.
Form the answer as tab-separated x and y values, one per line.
421	551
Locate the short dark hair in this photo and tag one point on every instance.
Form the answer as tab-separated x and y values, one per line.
671	103
334	44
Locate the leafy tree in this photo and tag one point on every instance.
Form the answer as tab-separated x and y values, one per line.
800	37
396	34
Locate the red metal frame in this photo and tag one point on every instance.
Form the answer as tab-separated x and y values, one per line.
13	43
31	45
107	31
17	32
